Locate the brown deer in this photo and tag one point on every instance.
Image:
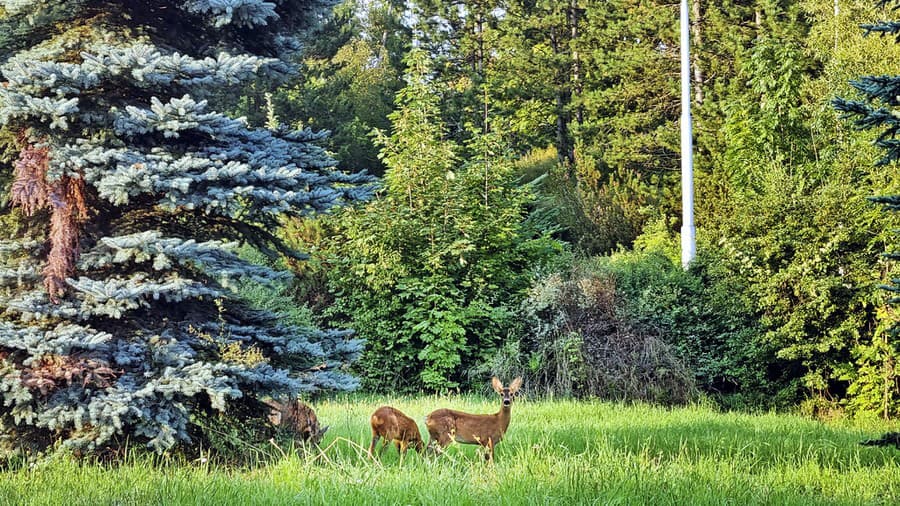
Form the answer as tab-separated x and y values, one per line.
392	425
447	425
298	418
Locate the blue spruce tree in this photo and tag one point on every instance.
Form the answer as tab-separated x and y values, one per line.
127	194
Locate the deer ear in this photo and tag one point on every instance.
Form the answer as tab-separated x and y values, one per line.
498	387
515	385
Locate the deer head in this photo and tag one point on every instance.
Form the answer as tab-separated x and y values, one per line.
508	393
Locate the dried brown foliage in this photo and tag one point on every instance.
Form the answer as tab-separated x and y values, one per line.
65	198
30	190
69	210
298	418
54	371
588	349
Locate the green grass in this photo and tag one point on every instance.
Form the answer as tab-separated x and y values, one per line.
556	452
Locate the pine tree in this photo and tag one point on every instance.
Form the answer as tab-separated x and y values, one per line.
596	76
461	38
539	73
118	315
350	78
881	98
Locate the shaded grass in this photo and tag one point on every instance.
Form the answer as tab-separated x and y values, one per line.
556	452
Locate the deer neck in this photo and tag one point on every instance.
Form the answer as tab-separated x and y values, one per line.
503	416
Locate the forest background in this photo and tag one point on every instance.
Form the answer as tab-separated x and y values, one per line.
530	204
525	216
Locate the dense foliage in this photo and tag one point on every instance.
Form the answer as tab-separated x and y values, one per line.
347	75
430	272
876	385
782	306
128	194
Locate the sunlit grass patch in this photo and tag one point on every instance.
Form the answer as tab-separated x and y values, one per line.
556	452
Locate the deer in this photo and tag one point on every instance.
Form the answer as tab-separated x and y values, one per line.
392	425
446	425
296	417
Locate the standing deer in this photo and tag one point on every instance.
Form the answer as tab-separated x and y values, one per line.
446	425
392	425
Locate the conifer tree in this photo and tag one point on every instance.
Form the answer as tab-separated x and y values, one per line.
349	78
880	109
461	38
117	311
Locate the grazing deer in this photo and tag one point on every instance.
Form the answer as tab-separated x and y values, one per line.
298	418
446	425
392	425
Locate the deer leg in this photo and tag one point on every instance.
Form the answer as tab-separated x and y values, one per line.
489	455
401	447
375	438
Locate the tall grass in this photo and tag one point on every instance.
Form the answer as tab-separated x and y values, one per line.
556	452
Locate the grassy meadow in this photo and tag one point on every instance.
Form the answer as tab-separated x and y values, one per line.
556	452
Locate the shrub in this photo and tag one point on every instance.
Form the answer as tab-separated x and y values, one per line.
634	324
702	314
577	343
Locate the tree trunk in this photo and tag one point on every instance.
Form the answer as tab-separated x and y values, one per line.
577	85
481	69
565	150
698	43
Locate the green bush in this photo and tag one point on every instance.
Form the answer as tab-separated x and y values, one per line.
702	314
429	274
810	266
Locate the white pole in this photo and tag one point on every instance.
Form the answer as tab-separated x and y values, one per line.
688	233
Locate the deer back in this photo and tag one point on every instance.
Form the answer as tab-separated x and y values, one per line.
391	423
466	427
